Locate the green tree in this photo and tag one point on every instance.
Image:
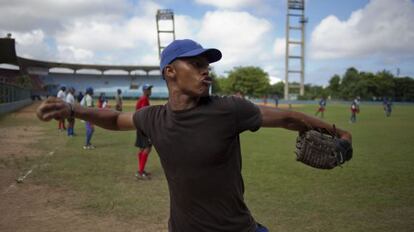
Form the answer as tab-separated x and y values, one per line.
367	87
215	86
314	92
277	89
249	81
349	84
334	87
404	89
385	83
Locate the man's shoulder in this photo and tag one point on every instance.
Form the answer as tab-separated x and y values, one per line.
232	103
150	112
152	109
225	99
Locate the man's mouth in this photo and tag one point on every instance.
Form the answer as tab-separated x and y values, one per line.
207	81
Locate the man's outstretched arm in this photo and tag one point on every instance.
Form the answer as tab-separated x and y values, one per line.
54	108
297	121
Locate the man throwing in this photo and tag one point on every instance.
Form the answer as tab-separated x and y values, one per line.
197	139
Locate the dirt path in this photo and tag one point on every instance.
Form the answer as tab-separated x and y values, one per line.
33	207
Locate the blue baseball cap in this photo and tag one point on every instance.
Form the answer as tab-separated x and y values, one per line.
187	48
89	90
146	86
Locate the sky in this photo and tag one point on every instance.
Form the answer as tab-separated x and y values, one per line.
370	35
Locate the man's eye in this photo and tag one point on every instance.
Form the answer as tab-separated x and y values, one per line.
196	64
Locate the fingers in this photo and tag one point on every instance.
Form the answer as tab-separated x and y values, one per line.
52	108
52	115
347	136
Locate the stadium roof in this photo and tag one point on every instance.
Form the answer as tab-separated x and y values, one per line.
8	56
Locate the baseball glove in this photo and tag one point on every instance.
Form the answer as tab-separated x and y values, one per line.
321	150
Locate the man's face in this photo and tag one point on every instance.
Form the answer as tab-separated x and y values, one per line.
147	92
192	75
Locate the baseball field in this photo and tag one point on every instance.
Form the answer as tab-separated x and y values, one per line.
71	189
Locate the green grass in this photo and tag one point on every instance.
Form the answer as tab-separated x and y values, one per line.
373	192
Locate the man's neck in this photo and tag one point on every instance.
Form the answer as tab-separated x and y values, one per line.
179	101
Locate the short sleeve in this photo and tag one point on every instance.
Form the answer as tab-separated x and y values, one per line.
140	119
83	102
248	116
89	101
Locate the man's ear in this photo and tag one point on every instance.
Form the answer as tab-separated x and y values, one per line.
169	72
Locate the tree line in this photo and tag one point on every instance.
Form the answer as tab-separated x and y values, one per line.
254	82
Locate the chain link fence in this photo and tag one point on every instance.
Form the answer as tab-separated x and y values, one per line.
11	93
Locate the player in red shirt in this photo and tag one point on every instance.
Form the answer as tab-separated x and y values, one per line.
142	141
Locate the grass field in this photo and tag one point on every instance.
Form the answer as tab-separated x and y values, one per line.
373	192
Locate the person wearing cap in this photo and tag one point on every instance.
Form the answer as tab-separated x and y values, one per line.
322	107
197	139
70	98
87	102
61	95
142	141
118	100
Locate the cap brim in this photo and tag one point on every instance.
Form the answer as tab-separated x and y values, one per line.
212	54
148	87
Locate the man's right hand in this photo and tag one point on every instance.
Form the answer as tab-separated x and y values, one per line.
53	108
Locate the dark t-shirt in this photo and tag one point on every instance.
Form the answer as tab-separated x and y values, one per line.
199	150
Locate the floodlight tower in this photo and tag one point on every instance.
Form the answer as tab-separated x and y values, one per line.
168	29
295	10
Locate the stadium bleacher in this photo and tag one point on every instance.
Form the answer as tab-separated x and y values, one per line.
8	76
108	84
44	78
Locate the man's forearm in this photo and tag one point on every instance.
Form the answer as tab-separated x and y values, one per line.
297	121
104	118
301	122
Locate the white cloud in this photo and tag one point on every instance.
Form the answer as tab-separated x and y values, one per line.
186	27
71	54
93	31
130	37
275	79
30	44
95	36
279	47
382	28
229	4
239	35
28	39
50	15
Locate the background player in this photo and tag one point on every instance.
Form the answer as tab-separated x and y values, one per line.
118	100
70	98
88	102
62	95
387	106
354	111
322	107
142	141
